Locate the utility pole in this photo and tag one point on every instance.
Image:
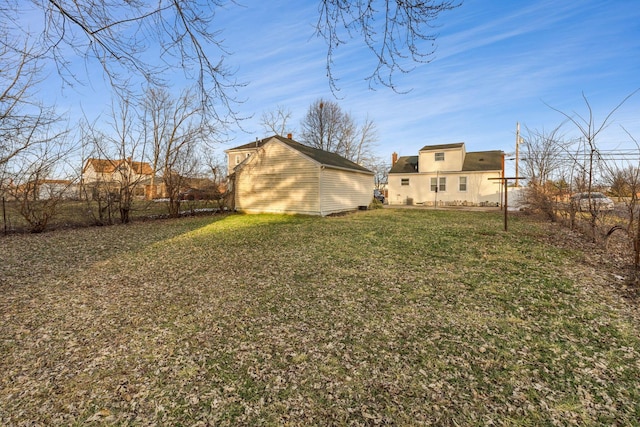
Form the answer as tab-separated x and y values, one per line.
517	149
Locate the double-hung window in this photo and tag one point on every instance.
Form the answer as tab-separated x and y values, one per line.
439	157
439	184
443	184
462	184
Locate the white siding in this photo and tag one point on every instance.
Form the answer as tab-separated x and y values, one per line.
235	157
344	190
480	189
453	160
278	179
90	175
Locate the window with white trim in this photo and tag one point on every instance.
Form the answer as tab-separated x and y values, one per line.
439	184
404	181
439	157
462	183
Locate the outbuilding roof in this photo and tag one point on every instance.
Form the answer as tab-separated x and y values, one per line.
325	158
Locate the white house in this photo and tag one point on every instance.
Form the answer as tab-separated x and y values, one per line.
280	175
106	170
446	175
110	175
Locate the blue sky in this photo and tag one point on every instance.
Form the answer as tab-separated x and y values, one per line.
497	63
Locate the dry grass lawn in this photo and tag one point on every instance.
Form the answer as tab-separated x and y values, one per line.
401	317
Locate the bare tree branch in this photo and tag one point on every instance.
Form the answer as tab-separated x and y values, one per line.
21	116
328	128
136	43
175	128
398	33
277	121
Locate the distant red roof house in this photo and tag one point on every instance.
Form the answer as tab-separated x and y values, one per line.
111	173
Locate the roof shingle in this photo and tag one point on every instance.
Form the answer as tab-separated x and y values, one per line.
323	157
442	146
405	164
109	166
483	161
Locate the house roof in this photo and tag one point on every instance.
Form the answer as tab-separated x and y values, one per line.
109	166
473	162
483	161
55	181
442	146
325	158
255	144
405	164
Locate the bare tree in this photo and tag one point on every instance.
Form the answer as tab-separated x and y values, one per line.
322	125
590	131
328	128
131	41
277	121
117	151
35	179
394	31
634	214
175	127
30	132
21	115
147	39
542	163
356	141
621	180
380	168
129	146
625	182
543	152
217	169
98	191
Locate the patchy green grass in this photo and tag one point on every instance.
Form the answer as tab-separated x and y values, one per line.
381	317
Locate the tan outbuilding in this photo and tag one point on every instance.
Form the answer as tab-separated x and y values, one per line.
280	175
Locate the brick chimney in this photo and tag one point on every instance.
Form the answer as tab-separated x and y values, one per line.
394	158
290	136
